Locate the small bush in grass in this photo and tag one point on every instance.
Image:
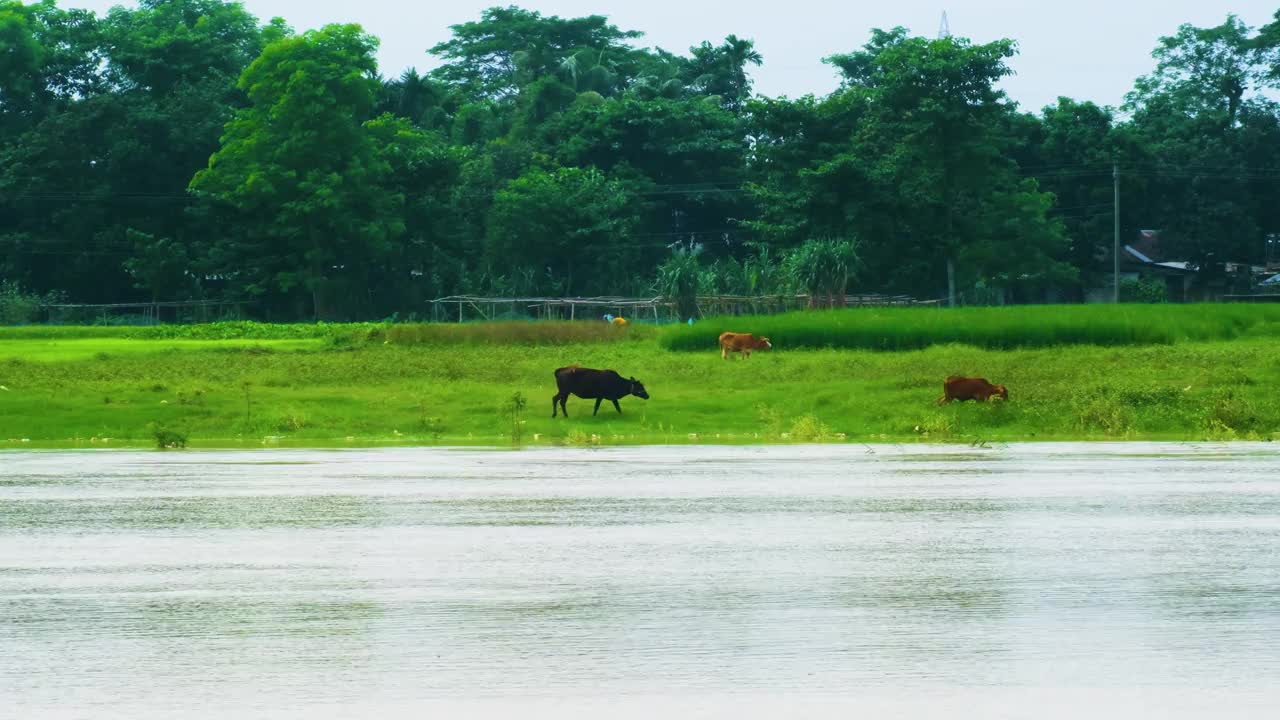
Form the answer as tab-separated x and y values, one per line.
166	438
1144	290
18	306
292	420
936	424
1227	412
429	424
1098	411
578	438
514	410
770	418
808	428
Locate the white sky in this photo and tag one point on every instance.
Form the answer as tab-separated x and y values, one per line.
1085	49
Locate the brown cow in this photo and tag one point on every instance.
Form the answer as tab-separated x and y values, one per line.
742	343
966	388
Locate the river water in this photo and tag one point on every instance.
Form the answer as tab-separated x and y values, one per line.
1036	581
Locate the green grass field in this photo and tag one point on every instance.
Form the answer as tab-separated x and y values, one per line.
247	385
991	327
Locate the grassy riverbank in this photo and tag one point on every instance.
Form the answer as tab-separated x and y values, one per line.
370	384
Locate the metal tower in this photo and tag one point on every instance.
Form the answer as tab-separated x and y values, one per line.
944	29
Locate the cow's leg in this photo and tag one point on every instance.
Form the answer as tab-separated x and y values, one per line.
558	398
942	400
724	352
617	407
597	410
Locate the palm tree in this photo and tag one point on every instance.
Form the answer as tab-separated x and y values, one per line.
661	78
415	97
589	71
722	70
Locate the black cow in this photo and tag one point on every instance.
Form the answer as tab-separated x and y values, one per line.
591	384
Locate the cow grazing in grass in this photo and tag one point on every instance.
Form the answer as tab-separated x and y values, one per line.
966	388
742	343
595	385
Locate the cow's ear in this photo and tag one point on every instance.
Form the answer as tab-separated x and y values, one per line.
633	379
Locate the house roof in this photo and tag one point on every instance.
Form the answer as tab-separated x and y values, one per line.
1137	254
1148	247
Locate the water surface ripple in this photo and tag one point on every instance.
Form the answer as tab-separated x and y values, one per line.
1037	581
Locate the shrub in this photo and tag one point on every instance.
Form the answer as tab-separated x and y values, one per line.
166	438
680	279
1100	411
823	268
808	428
1231	414
19	307
514	411
1144	290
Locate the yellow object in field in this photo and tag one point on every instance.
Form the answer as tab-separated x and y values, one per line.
619	322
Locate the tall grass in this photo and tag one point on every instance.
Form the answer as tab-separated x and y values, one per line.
995	328
235	330
531	332
545	332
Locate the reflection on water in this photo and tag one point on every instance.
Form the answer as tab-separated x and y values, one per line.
1023	581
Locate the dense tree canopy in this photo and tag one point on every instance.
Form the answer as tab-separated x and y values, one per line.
184	149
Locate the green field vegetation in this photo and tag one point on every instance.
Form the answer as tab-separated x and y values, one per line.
991	327
374	384
237	330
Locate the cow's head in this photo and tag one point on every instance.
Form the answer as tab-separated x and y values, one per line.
764	344
1001	392
637	389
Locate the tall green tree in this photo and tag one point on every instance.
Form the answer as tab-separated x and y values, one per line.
20	57
925	168
722	70
508	47
1268	42
1193	148
164	44
1205	72
690	156
97	176
421	262
567	231
1070	149
420	99
301	175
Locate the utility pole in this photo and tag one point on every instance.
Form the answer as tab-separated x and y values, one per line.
1115	250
